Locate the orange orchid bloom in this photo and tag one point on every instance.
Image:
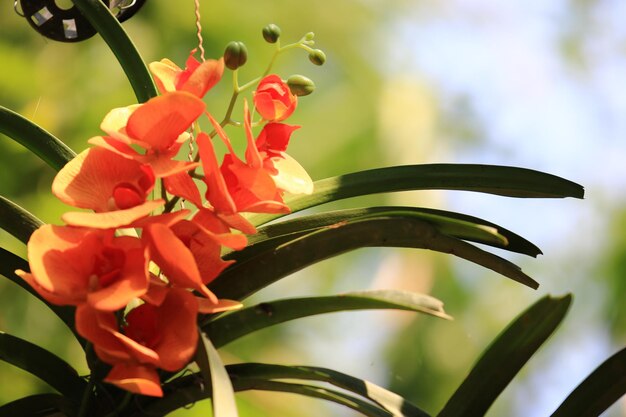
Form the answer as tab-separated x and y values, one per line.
114	187
273	99
76	266
163	336
249	184
197	78
158	126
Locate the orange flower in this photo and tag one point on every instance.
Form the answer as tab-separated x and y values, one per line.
249	184
75	266
197	78
114	187
163	336
158	126
273	99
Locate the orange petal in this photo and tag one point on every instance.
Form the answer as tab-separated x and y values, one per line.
114	123
162	119
174	258
90	180
203	77
98	327
49	296
111	219
182	185
178	318
253	158
217	193
165	73
135	378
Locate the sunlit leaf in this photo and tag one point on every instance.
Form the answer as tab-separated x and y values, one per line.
17	221
239	323
500	180
37	140
450	223
9	262
505	357
246	277
43	364
40	405
215	376
602	388
122	46
388	400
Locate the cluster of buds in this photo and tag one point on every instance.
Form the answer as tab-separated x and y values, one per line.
138	279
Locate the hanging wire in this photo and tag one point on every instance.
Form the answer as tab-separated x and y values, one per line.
199	29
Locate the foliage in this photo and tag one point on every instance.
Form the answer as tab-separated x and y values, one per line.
276	250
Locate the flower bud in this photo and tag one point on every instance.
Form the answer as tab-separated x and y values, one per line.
317	56
271	33
300	85
273	99
235	55
309	36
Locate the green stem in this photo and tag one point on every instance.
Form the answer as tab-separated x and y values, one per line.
84	403
114	35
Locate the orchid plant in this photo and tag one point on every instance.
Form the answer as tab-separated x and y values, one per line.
153	278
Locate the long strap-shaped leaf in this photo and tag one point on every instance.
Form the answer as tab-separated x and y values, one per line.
239	323
505	357
263	377
36	139
17	221
122	46
602	388
43	364
9	262
276	263
453	224
493	179
391	402
215	375
39	405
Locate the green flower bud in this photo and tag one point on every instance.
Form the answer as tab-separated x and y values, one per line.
309	36
271	33
318	57
300	85
235	55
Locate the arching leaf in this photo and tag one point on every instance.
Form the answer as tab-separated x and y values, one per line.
239	323
17	221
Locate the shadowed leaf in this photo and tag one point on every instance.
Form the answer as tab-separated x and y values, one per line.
17	221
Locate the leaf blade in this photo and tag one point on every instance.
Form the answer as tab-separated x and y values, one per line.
34	138
493	179
17	221
227	328
39	405
505	357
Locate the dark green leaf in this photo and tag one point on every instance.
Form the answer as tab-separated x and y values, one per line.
500	180
122	46
505	357
10	262
37	140
215	376
17	221
390	401
598	391
337	397
246	277
453	224
43	364
40	405
239	323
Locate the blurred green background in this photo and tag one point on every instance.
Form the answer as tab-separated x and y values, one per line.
537	84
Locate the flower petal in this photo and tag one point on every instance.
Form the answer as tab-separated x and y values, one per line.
291	176
111	219
135	378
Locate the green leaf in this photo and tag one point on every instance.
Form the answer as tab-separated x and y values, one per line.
43	364
493	179
40	405
17	221
37	140
248	276
239	323
602	388
313	391
505	357
450	223
122	46
215	375
10	262
391	402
